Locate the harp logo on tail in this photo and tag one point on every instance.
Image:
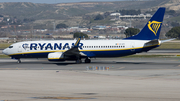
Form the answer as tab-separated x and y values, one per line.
154	26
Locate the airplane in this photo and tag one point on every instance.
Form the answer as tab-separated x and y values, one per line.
72	50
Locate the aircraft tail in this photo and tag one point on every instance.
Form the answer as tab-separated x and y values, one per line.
152	29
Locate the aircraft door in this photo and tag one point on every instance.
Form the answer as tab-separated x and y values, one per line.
132	46
19	48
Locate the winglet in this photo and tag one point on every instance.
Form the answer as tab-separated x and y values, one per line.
77	42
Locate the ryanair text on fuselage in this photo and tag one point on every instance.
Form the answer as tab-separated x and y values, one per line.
51	46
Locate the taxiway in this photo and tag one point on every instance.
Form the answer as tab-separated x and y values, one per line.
129	79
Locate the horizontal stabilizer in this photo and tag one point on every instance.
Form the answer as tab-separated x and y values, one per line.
152	43
162	41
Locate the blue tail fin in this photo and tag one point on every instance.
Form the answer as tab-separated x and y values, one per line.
152	29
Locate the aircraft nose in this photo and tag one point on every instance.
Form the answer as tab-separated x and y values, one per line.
4	51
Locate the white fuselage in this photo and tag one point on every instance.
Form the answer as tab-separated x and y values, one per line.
91	48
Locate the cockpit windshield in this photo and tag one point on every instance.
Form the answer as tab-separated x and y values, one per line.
10	46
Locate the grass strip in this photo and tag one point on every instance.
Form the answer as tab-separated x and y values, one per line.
169	45
4	45
3	56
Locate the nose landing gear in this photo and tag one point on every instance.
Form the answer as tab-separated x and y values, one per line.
18	60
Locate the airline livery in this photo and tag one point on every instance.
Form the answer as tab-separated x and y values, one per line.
64	50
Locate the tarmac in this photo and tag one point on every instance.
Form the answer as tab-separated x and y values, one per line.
105	79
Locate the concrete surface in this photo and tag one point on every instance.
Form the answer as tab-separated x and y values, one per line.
128	79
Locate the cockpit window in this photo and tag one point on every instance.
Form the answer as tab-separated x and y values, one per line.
10	46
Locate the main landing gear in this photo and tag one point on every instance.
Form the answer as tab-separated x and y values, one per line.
87	60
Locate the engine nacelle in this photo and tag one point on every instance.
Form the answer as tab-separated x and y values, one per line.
56	56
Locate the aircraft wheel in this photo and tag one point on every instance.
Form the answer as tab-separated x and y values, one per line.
87	60
19	61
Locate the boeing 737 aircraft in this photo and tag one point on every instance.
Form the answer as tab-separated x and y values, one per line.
64	50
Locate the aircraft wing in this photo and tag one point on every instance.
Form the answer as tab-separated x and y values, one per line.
74	51
72	54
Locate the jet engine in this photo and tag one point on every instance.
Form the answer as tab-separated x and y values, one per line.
56	56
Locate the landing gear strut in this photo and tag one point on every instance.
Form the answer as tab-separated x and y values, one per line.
87	60
18	60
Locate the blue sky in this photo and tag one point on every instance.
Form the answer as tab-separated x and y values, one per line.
55	1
